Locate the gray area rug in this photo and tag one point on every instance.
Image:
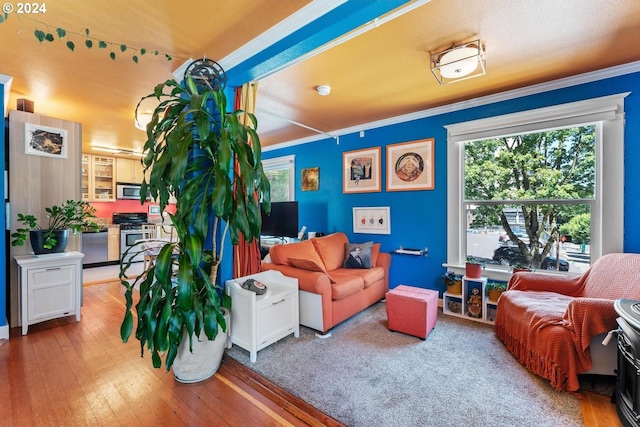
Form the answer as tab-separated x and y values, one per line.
365	375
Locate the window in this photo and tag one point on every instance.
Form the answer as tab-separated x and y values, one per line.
281	174
597	195
522	191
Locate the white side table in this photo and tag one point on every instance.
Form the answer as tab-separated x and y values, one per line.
50	286
258	321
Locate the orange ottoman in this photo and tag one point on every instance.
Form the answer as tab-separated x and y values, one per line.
412	310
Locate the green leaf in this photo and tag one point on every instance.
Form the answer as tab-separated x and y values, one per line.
102	44
135	59
168	57
127	326
123	47
88	43
71	46
112	55
143	51
61	33
86	31
39	35
49	37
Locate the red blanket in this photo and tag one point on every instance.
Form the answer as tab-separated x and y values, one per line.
547	321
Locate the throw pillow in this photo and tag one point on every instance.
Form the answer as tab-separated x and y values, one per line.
358	255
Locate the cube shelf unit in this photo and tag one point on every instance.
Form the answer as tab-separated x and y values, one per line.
458	305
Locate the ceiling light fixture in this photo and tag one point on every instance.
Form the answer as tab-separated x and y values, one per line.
459	63
324	90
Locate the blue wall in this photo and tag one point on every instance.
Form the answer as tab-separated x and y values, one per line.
419	218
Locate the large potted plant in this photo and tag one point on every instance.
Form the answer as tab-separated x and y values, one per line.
51	236
192	144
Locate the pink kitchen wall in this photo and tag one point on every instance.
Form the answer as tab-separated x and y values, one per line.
105	209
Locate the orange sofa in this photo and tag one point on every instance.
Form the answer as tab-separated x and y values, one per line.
329	293
550	323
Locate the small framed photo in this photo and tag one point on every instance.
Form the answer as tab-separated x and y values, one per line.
372	220
310	179
410	166
361	171
45	141
154	210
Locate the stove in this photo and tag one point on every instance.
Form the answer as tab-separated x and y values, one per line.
628	384
130	231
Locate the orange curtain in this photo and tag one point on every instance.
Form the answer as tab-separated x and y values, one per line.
246	256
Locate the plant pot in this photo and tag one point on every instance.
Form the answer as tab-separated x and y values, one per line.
205	360
38	237
455	287
494	294
473	271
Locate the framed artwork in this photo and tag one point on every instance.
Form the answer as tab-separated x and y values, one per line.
45	141
361	171
310	179
372	220
410	165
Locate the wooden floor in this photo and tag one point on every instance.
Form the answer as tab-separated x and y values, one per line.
64	373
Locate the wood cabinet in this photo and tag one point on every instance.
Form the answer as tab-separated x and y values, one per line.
129	170
50	286
113	243
258	321
98	177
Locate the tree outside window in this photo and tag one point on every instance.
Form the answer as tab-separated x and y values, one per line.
535	191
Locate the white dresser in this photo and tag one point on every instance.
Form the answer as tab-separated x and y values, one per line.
50	286
260	320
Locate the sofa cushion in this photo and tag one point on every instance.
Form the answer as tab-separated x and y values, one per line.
346	284
368	275
331	249
310	265
282	254
357	255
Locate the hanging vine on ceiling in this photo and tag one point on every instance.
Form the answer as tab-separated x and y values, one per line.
63	35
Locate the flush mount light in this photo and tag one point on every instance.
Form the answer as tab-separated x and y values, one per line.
460	62
324	90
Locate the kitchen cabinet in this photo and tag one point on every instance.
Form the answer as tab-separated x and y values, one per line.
129	170
98	178
50	286
113	243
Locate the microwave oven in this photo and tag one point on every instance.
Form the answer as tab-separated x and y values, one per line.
128	191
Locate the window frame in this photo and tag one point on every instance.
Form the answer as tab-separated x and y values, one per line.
284	162
607	221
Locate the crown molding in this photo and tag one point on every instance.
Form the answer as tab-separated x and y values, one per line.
593	76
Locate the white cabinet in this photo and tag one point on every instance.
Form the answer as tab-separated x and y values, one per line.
258	321
473	303
50	286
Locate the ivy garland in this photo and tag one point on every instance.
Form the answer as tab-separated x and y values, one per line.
89	41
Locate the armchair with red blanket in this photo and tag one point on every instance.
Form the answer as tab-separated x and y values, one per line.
548	322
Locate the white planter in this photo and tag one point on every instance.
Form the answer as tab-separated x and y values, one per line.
205	360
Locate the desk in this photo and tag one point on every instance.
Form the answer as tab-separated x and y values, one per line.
50	286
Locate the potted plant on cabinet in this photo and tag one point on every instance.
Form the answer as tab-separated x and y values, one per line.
453	282
71	215
495	289
189	153
473	268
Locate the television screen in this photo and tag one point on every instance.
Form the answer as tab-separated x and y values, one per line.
282	221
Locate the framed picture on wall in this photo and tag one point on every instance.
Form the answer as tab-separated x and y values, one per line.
361	171
310	179
45	141
372	220
410	166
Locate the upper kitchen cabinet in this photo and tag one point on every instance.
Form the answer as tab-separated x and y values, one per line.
98	178
130	171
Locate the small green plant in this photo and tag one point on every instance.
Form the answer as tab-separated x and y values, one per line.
472	260
451	277
73	215
496	286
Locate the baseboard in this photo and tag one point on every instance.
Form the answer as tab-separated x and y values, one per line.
4	331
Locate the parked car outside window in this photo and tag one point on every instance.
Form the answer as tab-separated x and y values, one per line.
511	255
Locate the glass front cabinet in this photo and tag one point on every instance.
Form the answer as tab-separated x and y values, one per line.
98	178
